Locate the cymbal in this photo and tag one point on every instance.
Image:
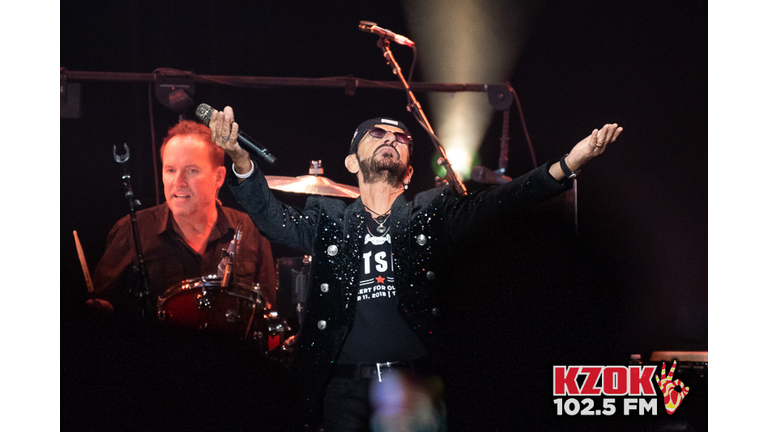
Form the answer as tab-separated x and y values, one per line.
313	185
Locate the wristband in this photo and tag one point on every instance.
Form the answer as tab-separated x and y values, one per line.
564	166
246	175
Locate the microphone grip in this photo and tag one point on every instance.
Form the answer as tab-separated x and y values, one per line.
254	148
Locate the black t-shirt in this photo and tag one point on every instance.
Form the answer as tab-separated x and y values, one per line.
379	333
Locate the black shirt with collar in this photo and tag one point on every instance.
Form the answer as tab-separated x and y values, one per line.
169	260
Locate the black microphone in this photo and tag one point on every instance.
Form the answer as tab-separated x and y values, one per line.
371	27
203	113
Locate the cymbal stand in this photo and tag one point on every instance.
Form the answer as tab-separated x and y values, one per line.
140	269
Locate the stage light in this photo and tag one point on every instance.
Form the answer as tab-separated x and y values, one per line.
459	157
466	41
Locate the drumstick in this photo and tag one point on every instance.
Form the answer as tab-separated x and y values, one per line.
81	255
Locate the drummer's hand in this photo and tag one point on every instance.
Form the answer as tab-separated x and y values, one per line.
224	133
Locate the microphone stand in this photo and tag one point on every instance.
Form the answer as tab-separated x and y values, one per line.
415	108
140	269
504	148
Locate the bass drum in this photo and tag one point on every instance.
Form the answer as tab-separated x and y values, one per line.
239	311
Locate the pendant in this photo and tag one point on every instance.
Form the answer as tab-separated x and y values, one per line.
380	229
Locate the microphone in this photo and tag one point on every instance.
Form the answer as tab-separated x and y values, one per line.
227	264
203	113
371	27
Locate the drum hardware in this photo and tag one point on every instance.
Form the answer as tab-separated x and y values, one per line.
140	269
250	320
271	338
231	316
204	300
277	326
259	301
280	346
293	279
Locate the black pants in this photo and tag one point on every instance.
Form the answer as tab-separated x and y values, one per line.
347	405
401	403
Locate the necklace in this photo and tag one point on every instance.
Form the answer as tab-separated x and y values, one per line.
380	219
377	239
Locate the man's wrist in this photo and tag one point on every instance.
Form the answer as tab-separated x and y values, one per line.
566	168
242	166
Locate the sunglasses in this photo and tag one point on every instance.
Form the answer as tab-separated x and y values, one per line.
380	133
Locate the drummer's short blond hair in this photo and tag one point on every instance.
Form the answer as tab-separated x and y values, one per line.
192	128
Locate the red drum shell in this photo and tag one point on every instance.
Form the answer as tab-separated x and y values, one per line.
201	304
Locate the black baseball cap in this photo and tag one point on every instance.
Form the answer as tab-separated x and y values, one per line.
370	124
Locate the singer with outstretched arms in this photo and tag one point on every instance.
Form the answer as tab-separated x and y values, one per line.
372	312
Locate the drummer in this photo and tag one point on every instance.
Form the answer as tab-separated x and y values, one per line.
183	238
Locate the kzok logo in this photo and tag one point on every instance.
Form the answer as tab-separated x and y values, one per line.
629	382
616	380
672	397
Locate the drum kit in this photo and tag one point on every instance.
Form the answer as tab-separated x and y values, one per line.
240	310
217	304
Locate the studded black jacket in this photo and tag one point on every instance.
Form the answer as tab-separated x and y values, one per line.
422	230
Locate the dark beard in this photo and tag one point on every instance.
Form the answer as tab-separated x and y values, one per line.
385	169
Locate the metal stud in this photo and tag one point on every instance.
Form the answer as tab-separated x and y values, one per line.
333	250
324	287
421	240
322	324
430	275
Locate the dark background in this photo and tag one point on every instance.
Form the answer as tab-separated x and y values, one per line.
633	281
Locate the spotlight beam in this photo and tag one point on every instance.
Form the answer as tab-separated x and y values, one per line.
470	40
